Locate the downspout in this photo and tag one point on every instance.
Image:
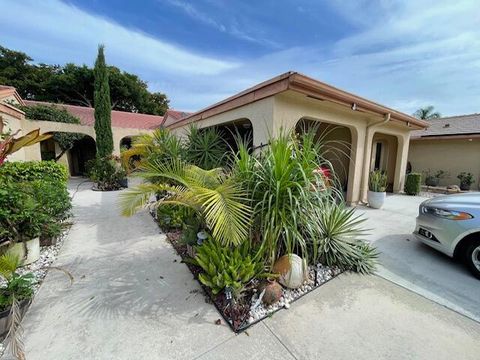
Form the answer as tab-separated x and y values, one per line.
366	159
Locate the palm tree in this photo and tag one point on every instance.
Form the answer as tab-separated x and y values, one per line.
427	113
216	197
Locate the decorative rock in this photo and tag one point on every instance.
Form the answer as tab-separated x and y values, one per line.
287	305
273	292
292	270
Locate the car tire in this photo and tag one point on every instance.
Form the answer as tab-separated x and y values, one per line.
472	258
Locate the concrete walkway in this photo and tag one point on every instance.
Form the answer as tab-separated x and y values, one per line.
133	299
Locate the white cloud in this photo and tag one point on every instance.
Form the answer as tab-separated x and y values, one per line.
53	31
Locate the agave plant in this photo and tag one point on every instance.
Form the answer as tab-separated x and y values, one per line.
215	196
339	239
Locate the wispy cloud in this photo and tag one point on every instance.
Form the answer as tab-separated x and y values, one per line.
53	31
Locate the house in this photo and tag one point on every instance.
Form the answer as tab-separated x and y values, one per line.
360	135
367	135
451	144
124	126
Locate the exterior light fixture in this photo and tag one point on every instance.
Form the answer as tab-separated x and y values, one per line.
354	106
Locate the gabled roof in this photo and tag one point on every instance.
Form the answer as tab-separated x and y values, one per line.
120	119
303	84
7	91
173	116
462	125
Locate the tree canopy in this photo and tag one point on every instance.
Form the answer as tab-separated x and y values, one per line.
427	113
74	84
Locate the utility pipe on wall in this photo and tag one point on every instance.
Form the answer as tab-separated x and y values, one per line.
366	158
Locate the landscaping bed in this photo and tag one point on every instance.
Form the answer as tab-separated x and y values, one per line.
252	310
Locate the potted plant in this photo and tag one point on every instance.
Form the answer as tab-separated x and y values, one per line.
16	292
377	184
21	221
466	180
434	179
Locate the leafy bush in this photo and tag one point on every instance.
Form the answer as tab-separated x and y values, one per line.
15	286
21	216
105	173
34	199
413	183
35	170
225	267
377	182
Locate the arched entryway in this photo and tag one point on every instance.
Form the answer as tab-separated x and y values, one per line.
82	151
335	146
384	156
239	128
125	143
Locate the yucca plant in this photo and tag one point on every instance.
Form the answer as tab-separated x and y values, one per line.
377	181
215	196
339	239
205	147
226	267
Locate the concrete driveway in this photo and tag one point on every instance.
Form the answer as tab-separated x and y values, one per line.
415	266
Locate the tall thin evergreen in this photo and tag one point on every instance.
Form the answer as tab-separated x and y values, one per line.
103	110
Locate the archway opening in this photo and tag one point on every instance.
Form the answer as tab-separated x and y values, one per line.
82	151
335	143
384	156
241	128
125	143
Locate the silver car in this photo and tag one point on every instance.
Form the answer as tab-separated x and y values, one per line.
451	224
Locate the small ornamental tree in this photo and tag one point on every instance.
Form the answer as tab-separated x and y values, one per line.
103	113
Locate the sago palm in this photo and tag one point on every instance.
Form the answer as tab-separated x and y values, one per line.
218	199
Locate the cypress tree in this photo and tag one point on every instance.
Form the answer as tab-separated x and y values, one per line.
103	109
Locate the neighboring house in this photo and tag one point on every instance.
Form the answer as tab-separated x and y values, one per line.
124	126
368	135
451	144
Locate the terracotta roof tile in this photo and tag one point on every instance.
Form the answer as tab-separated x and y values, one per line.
121	119
453	125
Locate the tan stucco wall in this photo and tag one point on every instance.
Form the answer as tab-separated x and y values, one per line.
282	111
453	156
13	124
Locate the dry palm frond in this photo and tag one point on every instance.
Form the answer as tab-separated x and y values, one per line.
14	336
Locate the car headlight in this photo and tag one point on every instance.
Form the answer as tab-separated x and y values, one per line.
447	214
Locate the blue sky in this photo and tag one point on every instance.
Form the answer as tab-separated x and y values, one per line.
403	54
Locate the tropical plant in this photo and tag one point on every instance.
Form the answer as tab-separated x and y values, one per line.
173	216
9	144
212	194
427	113
103	107
21	171
14	290
339	242
432	179
377	182
283	184
205	147
230	268
413	183
160	145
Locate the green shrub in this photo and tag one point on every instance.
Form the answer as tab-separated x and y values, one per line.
226	267
206	148
413	183
21	171
106	173
21	216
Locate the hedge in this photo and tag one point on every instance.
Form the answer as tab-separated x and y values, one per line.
412	183
21	171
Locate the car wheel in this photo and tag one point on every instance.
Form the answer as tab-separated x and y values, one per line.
472	258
